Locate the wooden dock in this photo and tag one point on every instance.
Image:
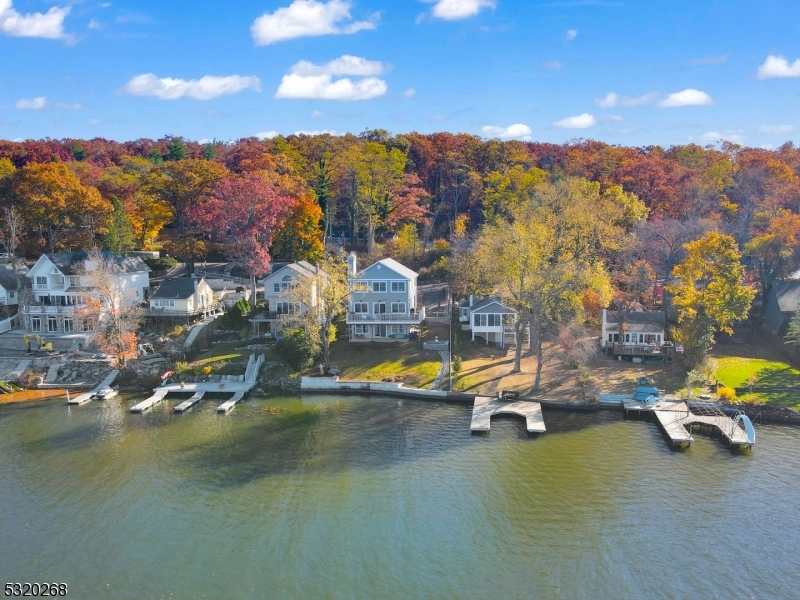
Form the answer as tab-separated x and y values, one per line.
675	416
486	406
188	404
84	398
158	395
228	405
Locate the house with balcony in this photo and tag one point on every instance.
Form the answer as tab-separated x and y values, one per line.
183	298
11	281
489	319
279	299
634	334
62	290
383	301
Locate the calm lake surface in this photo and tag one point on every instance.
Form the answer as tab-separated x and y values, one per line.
332	497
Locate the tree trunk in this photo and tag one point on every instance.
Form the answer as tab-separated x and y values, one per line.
252	290
326	346
519	329
539	363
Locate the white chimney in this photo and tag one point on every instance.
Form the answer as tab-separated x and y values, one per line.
471	299
352	261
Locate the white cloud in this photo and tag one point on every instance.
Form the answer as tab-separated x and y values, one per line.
612	99
93	122
205	88
776	128
778	66
42	25
410	93
729	135
518	131
571	34
95	24
31	103
452	10
317	132
317	114
309	81
267	135
709	60
304	18
70	105
582	121
553	64
688	97
615	118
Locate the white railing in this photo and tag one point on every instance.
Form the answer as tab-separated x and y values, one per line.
386	317
6	324
47	309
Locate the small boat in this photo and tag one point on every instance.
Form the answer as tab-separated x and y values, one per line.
106	393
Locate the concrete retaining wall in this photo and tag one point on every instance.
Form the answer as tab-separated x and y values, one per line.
332	384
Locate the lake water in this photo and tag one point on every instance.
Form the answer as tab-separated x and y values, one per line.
380	498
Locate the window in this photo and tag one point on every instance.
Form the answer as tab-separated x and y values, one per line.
36	324
379	308
378	286
163	303
398	329
380	331
74	281
41	281
398	286
480	321
399	307
360	307
360	330
85	324
627	338
276	287
494	320
69	325
52	324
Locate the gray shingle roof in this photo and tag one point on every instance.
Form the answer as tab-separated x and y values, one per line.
179	288
490	300
639	317
787	293
9	280
72	263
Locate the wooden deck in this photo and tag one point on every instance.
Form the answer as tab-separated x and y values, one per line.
675	416
486	406
188	404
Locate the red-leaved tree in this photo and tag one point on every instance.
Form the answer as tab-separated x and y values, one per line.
243	213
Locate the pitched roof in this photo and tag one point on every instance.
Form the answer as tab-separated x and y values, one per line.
395	266
787	293
300	267
489	301
643	321
180	288
8	279
71	263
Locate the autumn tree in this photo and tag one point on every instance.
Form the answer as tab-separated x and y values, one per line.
773	248
111	304
182	185
709	293
54	203
300	238
243	212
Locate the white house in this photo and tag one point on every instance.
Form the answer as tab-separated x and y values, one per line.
278	297
182	297
634	333
10	282
383	301
489	319
61	284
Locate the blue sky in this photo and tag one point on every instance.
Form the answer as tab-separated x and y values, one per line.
633	72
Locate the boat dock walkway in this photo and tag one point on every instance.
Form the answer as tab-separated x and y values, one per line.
675	416
158	395
486	406
188	404
85	397
228	405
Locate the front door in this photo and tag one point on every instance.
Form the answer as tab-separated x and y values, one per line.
380	331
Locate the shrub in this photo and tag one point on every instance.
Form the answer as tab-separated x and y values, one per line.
297	348
727	394
181	367
175	331
207	370
457	364
160	264
752	400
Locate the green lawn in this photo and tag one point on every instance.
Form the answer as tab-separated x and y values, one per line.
376	361
734	371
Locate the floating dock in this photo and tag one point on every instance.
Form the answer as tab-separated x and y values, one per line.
188	404
84	398
675	416
486	406
228	405
158	395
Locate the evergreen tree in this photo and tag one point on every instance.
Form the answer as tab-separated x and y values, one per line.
176	149
120	237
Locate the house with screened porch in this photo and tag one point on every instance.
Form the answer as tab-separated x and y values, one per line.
383	301
488	319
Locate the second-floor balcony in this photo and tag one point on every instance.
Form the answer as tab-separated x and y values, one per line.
43	287
413	318
47	309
